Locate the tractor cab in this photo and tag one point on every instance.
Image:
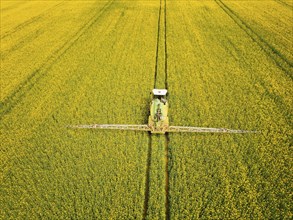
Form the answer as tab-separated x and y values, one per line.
160	94
158	119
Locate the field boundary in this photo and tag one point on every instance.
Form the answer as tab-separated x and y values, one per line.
272	52
19	93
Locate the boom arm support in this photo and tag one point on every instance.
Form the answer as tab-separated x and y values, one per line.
114	127
205	130
169	129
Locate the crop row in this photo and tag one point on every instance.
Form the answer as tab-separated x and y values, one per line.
100	70
273	29
33	47
219	77
103	77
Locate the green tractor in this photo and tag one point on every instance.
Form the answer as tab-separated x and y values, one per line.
158	119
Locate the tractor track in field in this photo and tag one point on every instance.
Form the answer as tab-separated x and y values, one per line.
166	50
276	99
149	153
20	92
284	4
147	178
281	62
167	189
167	138
162	9
28	37
24	41
158	43
279	59
30	21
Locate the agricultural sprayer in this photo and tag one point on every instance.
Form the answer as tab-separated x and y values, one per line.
158	121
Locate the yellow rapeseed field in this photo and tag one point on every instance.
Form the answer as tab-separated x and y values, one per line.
224	63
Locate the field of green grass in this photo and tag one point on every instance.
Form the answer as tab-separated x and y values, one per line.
225	64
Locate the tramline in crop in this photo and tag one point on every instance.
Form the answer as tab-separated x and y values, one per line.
219	63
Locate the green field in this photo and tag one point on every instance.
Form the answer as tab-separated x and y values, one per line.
225	64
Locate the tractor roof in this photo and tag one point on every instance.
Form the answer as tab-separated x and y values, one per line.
159	91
